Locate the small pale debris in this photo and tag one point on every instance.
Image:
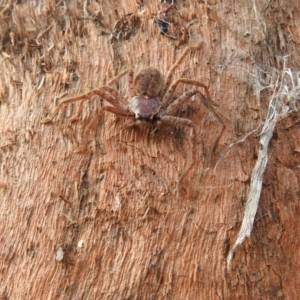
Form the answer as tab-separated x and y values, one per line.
241	176
5	54
59	253
297	150
101	177
80	244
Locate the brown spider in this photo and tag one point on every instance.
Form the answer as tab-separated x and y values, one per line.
150	100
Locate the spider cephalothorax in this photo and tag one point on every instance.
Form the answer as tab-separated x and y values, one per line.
151	99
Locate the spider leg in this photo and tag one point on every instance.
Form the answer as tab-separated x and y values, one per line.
122	102
99	92
131	85
78	111
105	91
175	106
169	93
206	100
177	121
115	110
170	73
115	79
120	75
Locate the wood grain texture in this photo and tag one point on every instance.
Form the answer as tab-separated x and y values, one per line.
114	209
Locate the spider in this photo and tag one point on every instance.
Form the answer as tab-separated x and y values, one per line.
163	18
150	100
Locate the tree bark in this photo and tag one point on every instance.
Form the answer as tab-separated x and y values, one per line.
112	222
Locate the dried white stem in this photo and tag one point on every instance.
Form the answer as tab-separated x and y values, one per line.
256	182
284	87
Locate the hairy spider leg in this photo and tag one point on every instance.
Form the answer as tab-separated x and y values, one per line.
177	121
111	82
115	93
87	96
171	72
175	106
122	111
105	91
168	95
168	118
115	110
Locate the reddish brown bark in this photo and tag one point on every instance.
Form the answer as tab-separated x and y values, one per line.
114	210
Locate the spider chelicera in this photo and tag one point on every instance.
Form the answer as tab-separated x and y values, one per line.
151	99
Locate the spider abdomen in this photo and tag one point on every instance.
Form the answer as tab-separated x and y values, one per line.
149	82
144	107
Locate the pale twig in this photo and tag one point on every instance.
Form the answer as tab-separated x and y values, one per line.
286	86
